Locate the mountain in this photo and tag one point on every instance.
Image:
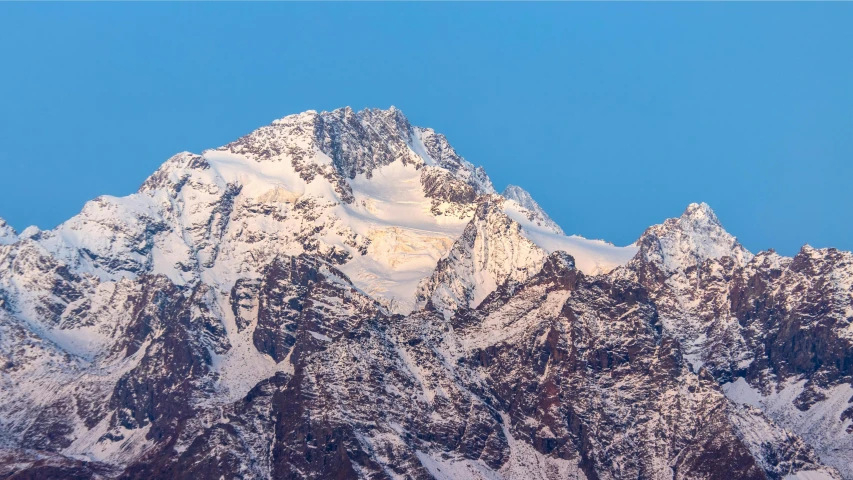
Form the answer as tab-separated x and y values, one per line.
341	295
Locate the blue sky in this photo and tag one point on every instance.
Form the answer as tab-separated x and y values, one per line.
614	116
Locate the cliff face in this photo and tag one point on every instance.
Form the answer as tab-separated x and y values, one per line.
341	295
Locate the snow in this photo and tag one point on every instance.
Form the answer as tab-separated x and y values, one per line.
7	233
243	366
592	257
809	475
504	324
741	392
319	336
393	196
692	238
85	342
451	468
524	463
526	201
406	240
228	219
447	158
390	210
30	232
821	425
112	237
417	145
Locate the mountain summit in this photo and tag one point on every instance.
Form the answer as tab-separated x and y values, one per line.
524	199
7	233
697	235
342	295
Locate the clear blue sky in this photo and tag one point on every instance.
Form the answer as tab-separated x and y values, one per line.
614	116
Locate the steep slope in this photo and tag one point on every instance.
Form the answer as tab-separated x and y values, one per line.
689	240
797	316
365	190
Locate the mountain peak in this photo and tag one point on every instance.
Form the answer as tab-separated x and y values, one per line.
520	195
30	232
366	190
700	212
697	235
7	233
536	213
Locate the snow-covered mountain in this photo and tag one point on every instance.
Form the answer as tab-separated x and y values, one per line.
340	294
535	213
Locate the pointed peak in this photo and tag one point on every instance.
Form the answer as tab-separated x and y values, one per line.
535	212
30	232
700	211
514	192
7	233
697	235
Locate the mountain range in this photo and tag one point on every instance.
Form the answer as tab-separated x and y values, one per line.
342	295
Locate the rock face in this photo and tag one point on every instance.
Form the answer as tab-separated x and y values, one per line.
341	295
